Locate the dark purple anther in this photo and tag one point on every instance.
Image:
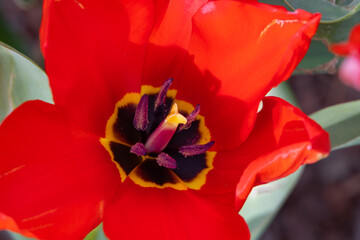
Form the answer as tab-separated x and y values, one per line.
141	120
138	149
190	118
165	160
160	99
192	150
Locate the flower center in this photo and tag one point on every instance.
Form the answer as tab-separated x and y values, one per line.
157	142
162	135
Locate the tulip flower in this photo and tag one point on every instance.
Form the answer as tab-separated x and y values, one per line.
155	130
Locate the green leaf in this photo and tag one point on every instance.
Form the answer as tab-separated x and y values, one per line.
354	142
265	201
276	2
318	59
96	234
342	122
13	236
20	80
330	12
337	32
284	91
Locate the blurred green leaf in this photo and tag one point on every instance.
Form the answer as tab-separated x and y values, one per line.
342	122
7	235
96	234
316	58
265	201
337	32
20	80
354	142
343	2
16	236
330	12
284	91
276	2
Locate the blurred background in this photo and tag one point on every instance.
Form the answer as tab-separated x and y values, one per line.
325	204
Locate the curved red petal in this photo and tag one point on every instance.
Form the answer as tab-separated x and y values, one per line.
243	49
282	140
54	177
152	213
352	46
94	54
340	48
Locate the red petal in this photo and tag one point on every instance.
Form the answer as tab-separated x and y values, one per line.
89	59
350	47
355	35
242	50
340	48
7	223
53	176
169	38
143	213
282	140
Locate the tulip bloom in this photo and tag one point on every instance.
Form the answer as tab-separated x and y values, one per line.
155	129
349	72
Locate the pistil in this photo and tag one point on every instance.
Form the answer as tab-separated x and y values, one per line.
162	135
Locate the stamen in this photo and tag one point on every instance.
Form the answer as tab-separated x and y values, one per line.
164	160
162	135
160	99
190	118
141	120
192	150
138	149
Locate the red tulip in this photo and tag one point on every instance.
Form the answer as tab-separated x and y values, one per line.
115	148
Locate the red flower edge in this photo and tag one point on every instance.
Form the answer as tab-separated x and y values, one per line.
349	71
54	171
350	47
